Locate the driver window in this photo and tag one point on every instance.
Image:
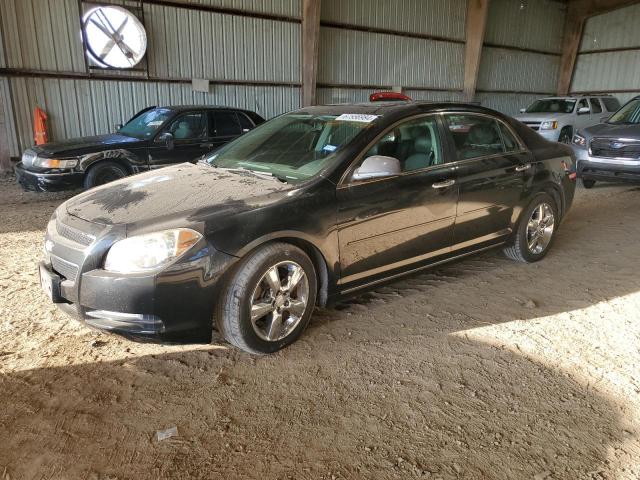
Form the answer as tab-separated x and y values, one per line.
582	104
189	126
415	144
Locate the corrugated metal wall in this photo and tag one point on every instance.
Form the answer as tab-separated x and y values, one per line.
183	43
521	57
407	43
600	70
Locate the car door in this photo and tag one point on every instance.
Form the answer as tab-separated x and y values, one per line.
598	115
185	142
387	223
227	126
582	120
492	168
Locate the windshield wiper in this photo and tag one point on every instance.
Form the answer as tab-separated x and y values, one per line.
257	173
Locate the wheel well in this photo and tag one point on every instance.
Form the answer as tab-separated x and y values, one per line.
557	196
120	161
319	263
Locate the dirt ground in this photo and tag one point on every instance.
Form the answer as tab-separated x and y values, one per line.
482	369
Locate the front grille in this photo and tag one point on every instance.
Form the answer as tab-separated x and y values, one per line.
67	269
535	126
611	148
74	235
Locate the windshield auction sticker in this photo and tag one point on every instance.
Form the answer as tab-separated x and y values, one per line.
356	117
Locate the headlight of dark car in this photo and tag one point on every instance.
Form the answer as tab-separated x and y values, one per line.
579	140
55	162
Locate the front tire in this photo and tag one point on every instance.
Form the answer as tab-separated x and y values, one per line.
536	230
586	183
268	300
104	172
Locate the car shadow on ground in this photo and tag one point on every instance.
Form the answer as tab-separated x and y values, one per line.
391	384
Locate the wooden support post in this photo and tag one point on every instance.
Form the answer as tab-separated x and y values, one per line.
577	13
5	160
477	11
310	44
573	27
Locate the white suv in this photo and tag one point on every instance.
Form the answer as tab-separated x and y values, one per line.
558	118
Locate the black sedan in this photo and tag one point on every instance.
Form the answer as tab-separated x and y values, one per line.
153	138
309	207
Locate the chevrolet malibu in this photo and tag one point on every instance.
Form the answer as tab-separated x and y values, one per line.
307	208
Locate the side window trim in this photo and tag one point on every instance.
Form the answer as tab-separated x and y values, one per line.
346	176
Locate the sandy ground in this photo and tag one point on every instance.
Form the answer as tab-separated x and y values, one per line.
481	369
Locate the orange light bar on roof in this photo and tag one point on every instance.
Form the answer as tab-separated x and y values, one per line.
388	97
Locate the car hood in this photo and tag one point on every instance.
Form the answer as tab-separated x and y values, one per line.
541	117
185	191
84	145
609	130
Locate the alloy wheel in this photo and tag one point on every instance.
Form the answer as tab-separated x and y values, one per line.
540	228
279	301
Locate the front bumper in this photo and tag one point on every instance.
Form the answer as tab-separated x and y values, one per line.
607	169
173	305
49	181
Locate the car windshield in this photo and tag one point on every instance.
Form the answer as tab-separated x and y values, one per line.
629	114
551	105
146	124
293	147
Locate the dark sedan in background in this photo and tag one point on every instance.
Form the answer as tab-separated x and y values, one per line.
305	209
610	151
153	138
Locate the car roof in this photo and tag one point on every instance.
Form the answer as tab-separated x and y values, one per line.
181	108
395	107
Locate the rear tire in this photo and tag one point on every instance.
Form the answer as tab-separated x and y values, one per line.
104	172
586	183
536	230
268	300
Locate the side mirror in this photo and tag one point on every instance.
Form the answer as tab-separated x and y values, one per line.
167	138
118	126
377	166
605	119
584	110
523	110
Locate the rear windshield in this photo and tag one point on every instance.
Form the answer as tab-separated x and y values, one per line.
627	115
551	105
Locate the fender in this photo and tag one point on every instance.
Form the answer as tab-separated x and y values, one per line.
132	162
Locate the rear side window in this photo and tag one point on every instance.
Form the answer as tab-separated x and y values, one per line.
226	124
611	103
475	136
245	123
595	105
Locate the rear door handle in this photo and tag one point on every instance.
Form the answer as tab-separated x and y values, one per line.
522	168
444	184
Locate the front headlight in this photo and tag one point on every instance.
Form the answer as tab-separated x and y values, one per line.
143	253
55	162
579	140
549	125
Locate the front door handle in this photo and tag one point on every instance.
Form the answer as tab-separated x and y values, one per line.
522	168
445	184
207	145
